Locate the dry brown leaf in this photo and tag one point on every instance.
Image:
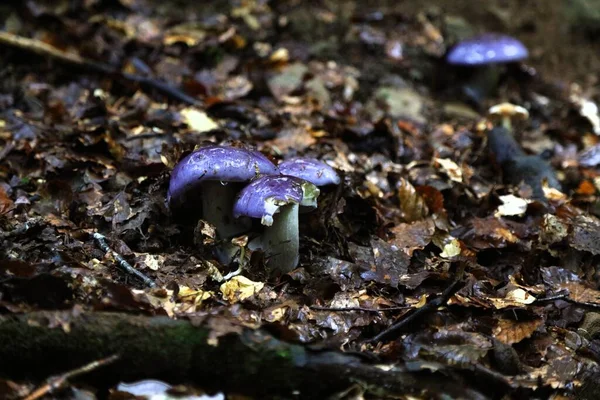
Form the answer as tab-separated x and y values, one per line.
586	234
5	202
580	293
297	139
413	206
489	233
510	331
413	236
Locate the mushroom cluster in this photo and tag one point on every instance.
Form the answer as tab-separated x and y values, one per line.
275	195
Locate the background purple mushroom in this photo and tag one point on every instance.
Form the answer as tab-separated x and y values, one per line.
276	201
211	173
486	49
483	54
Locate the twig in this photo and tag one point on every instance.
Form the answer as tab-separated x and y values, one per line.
373	310
21	229
564	295
46	50
121	262
418	313
56	382
558	296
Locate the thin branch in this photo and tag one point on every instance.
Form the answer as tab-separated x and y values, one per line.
558	296
56	382
46	50
121	262
373	310
395	329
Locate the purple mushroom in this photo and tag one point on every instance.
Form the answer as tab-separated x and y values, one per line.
212	172
484	53
310	169
276	200
489	48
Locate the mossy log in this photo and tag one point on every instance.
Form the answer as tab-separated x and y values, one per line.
213	352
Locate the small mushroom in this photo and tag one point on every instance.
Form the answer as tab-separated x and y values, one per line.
518	166
506	113
484	53
310	169
212	173
276	200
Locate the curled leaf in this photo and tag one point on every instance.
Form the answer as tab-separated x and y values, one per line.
413	206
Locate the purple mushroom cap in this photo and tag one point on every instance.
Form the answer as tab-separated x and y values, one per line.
310	169
263	196
218	163
488	48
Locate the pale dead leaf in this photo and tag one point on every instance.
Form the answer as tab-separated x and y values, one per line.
240	288
451	169
198	120
512	205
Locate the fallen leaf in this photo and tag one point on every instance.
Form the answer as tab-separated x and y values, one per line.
240	288
198	120
511	206
451	169
509	331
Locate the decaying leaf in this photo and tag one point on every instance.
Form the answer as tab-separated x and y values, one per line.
412	204
451	169
198	120
585	234
192	298
512	206
240	288
409	237
511	331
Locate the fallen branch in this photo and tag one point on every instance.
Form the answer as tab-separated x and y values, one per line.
394	330
46	50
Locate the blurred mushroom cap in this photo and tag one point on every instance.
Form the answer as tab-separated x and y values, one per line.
509	110
489	48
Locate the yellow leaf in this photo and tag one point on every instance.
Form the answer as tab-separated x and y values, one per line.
198	120
240	288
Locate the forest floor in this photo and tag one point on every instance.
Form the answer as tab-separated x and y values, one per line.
428	272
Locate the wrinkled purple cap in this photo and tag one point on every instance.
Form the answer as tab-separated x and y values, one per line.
263	196
222	163
310	169
489	48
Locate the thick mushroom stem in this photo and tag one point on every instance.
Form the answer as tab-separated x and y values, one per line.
281	240
503	145
217	206
482	83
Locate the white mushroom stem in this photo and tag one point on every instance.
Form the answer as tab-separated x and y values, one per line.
217	209
281	241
